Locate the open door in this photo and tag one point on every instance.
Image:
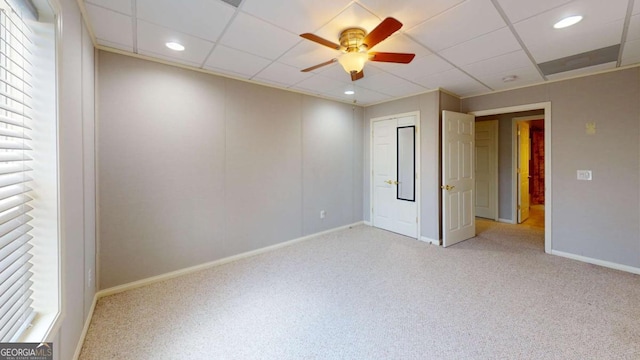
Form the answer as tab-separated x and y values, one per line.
524	155
458	209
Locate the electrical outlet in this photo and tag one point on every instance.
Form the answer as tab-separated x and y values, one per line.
323	214
90	278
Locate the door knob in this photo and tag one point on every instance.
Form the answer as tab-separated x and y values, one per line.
389	182
447	187
396	182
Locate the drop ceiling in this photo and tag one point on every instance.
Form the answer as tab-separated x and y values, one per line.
466	47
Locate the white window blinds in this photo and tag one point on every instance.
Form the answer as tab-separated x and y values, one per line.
16	312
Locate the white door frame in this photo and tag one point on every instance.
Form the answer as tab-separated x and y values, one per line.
514	162
417	160
546	106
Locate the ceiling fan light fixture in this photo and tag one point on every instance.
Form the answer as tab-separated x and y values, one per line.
568	21
175	46
353	61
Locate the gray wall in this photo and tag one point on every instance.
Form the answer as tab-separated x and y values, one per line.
77	177
429	105
599	218
505	159
194	167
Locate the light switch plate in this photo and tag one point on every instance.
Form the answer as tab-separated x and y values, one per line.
584	175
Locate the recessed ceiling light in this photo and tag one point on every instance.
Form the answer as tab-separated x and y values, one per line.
568	21
509	78
175	46
349	92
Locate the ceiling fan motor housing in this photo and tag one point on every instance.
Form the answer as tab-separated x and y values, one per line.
351	40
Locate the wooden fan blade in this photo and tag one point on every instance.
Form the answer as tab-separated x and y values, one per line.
321	41
387	27
357	75
391	57
319	65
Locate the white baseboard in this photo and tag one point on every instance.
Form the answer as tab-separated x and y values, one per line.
87	322
368	223
192	269
608	264
506	221
429	240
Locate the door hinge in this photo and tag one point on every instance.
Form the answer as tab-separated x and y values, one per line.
371	209
416	219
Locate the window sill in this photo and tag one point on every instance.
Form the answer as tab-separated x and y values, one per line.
45	328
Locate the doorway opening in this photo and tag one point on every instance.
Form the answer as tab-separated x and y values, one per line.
531	206
529	169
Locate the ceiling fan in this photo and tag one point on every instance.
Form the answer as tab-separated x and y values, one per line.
355	44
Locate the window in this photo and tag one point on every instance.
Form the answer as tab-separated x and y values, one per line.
21	143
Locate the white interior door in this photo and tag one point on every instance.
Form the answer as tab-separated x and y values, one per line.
486	165
384	153
458	210
394	201
524	155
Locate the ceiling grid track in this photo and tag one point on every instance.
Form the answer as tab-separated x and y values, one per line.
134	25
625	31
515	34
449	62
215	44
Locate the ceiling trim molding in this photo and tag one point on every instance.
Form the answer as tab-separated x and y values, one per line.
627	67
412	95
211	72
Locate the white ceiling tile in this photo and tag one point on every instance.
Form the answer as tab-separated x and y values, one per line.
602	26
464	22
518	10
423	66
307	54
282	74
111	26
514	60
524	76
569	43
152	39
631	53
353	16
405	89
235	61
381	81
634	28
250	34
452	80
583	71
202	18
409	12
490	45
299	17
402	44
121	6
319	84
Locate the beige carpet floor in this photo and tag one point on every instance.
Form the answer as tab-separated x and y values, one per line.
365	293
